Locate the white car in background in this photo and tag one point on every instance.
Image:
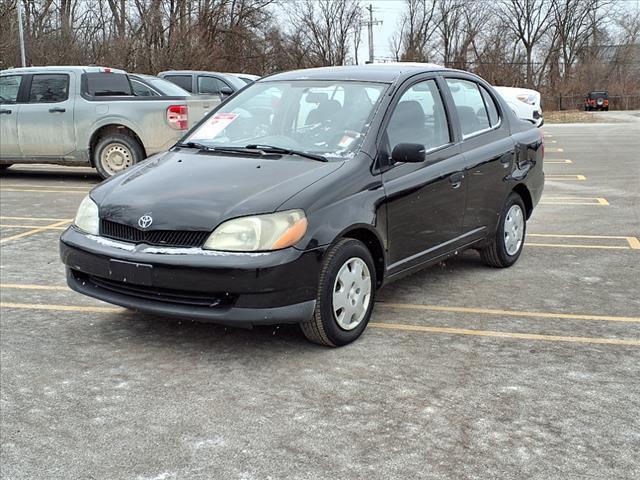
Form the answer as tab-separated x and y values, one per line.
525	103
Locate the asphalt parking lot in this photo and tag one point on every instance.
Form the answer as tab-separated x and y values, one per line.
465	373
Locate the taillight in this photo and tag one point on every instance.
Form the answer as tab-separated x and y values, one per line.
178	117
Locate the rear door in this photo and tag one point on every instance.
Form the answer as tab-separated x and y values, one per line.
45	120
9	89
488	149
425	201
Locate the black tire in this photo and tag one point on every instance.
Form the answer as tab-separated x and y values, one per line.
323	328
496	255
128	148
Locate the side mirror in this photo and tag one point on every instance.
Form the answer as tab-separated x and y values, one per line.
408	152
226	91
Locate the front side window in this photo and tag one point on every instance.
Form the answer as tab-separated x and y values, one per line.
9	87
419	117
210	85
49	88
183	81
470	106
326	117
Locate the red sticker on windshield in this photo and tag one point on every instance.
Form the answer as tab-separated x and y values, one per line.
212	127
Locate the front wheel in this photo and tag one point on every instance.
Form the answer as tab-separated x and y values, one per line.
115	153
506	246
345	297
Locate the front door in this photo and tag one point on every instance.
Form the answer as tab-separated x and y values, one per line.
425	201
45	120
9	88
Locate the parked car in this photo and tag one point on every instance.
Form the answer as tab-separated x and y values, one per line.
525	103
597	101
87	116
204	83
150	86
357	176
246	77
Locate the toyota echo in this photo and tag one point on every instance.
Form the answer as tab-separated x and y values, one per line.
304	193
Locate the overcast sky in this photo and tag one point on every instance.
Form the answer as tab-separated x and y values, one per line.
390	12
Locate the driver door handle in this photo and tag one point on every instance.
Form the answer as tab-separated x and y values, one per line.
456	179
4	110
57	110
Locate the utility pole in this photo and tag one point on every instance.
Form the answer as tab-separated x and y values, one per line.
21	33
370	25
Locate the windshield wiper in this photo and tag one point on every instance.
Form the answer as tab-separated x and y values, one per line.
286	151
202	146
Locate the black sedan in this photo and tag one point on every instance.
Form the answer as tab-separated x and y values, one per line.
302	195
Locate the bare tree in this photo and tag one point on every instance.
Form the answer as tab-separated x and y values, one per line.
420	21
528	21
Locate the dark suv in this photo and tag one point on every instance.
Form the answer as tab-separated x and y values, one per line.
597	101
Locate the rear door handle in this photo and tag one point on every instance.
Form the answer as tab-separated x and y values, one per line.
57	110
456	179
4	110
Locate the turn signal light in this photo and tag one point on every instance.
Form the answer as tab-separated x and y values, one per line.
178	117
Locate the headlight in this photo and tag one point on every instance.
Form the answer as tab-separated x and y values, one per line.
259	233
529	98
87	216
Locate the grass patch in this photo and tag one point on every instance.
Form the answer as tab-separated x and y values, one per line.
577	116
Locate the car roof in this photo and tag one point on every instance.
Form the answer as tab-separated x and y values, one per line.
375	72
73	68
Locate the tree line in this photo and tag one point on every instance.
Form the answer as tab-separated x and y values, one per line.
561	47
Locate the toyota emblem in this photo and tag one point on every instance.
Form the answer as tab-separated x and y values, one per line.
145	221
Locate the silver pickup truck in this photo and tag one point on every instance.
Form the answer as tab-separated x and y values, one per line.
87	116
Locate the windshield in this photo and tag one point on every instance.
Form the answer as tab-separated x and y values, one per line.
168	88
324	117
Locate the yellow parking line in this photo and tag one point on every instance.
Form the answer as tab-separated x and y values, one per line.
606	247
562	235
634	243
41	191
566	177
549	200
389	326
514	335
562	161
35	230
510	313
26	286
62	308
33	218
31	226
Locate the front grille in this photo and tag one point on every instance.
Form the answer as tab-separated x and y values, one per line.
165	238
199	299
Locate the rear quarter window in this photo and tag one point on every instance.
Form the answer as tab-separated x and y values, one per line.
107	84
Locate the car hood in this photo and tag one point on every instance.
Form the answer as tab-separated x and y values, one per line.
184	190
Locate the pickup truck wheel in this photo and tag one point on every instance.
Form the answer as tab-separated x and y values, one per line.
506	247
115	153
345	297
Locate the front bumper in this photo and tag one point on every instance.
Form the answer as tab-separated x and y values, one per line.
239	289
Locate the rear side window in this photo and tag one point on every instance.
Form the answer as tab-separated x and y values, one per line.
210	85
470	106
183	81
49	88
490	103
9	87
107	84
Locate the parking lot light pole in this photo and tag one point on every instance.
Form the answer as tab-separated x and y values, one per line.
21	33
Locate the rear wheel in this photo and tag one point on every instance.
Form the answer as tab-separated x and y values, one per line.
345	297
116	152
506	247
